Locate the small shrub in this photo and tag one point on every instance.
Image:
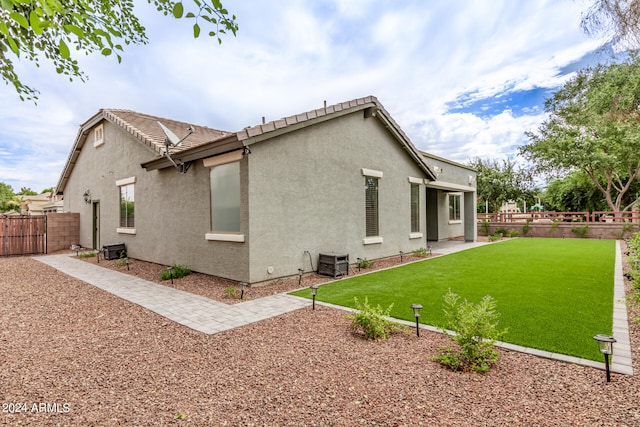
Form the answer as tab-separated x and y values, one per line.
122	261
485	227
365	263
87	254
476	330
526	227
421	252
494	237
178	272
512	232
501	230
231	291
372	321
581	231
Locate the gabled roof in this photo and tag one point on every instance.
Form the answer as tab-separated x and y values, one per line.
143	127
370	106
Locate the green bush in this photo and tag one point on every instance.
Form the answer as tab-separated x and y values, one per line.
512	232
421	252
231	291
475	329
86	254
373	321
365	263
526	227
178	272
485	227
580	231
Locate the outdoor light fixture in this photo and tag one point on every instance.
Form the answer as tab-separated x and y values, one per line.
87	196
300	271
171	273
605	342
243	286
416	312
359	263
401	255
127	261
429	248
314	291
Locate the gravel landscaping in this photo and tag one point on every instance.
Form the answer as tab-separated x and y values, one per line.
72	354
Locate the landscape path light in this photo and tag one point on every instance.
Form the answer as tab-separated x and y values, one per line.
300	271
171	274
314	291
416	312
243	286
605	342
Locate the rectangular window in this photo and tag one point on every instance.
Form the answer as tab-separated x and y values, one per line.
127	205
98	136
371	206
415	208
454	207
225	198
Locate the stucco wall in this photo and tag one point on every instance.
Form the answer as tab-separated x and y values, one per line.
306	193
172	210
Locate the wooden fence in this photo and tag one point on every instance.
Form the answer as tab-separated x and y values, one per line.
542	217
23	235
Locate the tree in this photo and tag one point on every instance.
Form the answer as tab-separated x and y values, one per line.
7	198
618	20
575	193
51	29
499	181
26	191
594	126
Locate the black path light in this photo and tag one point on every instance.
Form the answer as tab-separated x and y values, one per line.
605	342
300	271
314	291
171	273
416	312
243	286
126	260
401	255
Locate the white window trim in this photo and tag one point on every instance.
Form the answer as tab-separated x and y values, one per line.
455	221
122	230
415	235
222	159
414	180
98	142
224	237
371	173
126	181
372	240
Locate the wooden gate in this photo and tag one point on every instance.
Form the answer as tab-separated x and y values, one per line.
23	235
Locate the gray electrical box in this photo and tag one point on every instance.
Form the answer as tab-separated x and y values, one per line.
333	264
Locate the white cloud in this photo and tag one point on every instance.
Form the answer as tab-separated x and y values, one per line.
415	56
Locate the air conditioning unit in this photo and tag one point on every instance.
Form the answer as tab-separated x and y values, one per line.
333	264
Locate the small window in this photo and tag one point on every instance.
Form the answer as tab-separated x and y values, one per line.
415	208
371	206
98	136
454	207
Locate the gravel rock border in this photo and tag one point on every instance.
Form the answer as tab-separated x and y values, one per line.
74	355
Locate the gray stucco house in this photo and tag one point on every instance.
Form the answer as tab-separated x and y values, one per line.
263	202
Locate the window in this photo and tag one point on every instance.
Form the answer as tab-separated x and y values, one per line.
454	207
98	136
225	198
415	208
371	206
127	205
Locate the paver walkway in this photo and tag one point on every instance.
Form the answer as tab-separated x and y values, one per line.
209	316
194	311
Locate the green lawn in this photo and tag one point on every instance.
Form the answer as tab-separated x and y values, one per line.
553	294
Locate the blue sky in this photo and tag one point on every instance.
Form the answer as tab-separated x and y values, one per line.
462	78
